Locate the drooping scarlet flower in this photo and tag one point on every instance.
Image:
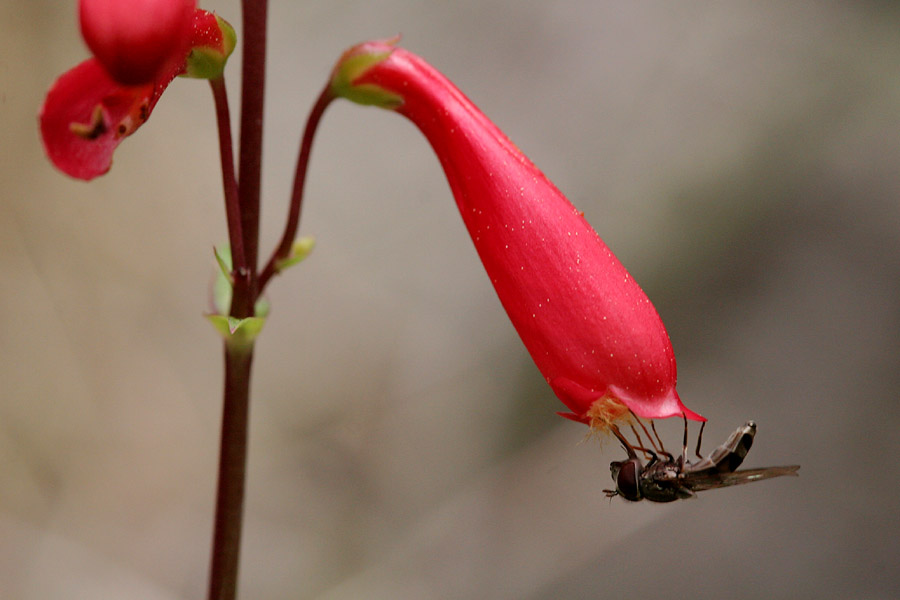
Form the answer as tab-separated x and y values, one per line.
87	114
589	327
137	41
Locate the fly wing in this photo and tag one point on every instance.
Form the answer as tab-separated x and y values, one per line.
709	480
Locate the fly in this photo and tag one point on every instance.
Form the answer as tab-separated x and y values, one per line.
666	478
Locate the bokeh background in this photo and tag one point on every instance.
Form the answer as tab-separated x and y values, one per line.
741	158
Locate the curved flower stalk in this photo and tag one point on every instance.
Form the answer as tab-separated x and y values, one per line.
589	327
89	111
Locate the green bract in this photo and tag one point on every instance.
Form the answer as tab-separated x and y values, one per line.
212	45
237	333
355	64
300	250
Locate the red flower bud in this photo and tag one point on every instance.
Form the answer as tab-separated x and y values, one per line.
589	327
137	41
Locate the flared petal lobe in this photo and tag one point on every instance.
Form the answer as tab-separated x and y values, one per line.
86	115
137	41
587	324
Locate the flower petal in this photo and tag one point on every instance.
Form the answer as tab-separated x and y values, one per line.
86	115
140	40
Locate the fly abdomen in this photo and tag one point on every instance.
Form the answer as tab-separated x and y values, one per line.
729	456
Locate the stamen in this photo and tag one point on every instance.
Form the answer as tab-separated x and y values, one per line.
604	412
94	128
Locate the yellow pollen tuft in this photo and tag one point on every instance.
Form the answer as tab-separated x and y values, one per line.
605	412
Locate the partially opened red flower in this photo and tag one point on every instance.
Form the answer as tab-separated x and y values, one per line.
589	327
137	41
87	113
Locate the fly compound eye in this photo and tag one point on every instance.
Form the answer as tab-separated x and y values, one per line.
614	468
627	477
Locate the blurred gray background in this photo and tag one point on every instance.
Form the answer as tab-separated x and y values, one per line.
741	158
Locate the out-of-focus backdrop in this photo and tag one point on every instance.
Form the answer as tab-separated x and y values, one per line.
741	158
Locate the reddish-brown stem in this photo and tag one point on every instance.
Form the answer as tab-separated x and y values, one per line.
253	82
226	543
229	181
293	220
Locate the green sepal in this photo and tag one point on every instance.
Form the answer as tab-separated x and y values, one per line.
204	63
301	248
238	333
213	45
353	65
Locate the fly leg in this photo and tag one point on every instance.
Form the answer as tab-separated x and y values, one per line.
640	443
625	443
656	448
662	449
633	450
700	439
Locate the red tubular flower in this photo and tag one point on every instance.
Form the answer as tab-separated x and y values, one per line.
137	41
87	113
589	327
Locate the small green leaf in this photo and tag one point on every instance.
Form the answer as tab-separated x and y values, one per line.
299	251
223	285
224	263
240	333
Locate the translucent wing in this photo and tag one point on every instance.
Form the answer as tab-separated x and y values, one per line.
708	480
